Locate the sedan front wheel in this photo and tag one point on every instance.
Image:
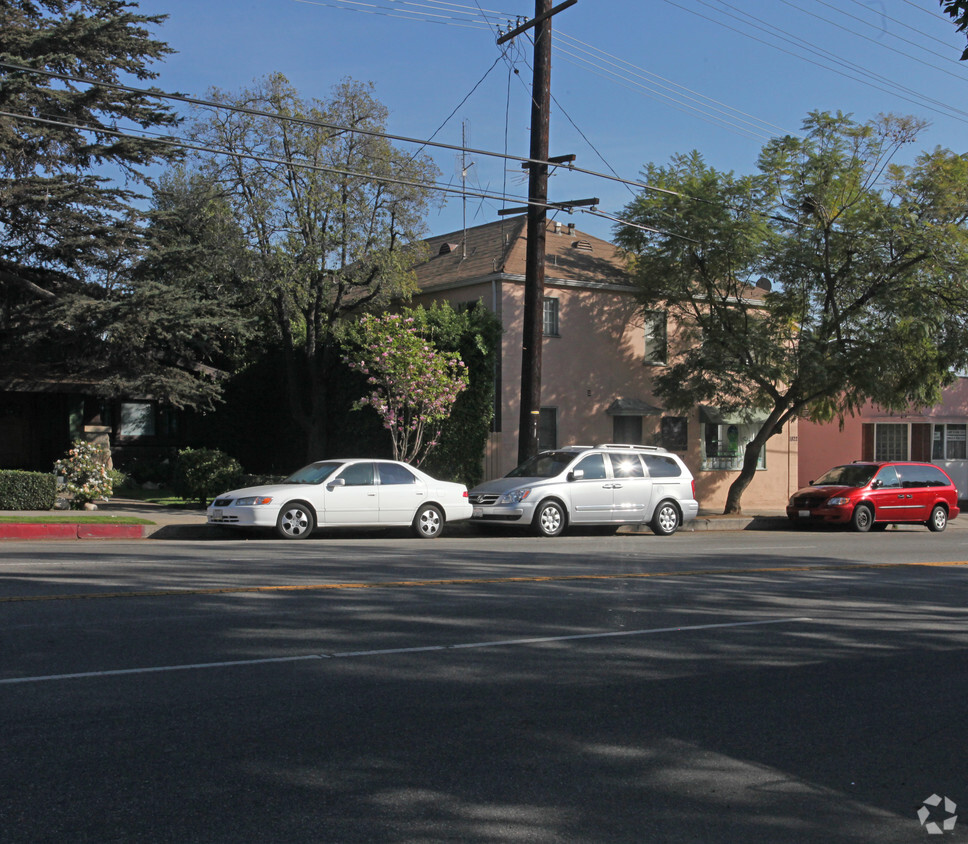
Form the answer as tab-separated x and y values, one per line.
296	521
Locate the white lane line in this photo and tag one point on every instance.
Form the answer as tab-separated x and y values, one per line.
85	675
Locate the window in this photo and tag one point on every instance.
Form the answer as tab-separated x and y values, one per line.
593	466
674	431
137	420
358	474
626	466
655	351
662	467
949	443
724	446
627	429
391	473
888	478
548	428
550	323
890	442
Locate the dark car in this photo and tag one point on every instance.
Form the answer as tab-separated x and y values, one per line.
871	495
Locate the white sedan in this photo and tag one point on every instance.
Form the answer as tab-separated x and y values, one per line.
345	493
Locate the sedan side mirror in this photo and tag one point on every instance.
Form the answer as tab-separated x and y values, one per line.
336	482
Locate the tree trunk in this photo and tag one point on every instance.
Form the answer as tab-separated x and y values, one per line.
751	455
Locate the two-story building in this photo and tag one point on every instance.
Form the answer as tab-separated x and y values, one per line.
601	349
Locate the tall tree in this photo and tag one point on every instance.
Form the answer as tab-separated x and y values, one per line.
332	215
64	221
73	178
868	261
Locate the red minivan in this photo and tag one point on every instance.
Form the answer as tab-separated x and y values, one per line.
870	495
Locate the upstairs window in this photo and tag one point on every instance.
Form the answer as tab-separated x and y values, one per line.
550	322
655	351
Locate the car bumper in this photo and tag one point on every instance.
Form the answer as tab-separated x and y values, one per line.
825	515
502	514
242	516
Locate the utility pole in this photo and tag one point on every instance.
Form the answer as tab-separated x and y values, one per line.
537	220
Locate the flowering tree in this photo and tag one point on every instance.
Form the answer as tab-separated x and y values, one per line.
85	473
414	385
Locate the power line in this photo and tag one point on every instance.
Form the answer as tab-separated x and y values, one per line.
310	122
288	162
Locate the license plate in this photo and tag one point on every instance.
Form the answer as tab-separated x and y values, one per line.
478	513
216	515
804	514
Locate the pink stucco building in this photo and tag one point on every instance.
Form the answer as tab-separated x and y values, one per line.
601	349
936	435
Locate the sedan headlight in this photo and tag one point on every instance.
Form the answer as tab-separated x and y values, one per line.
253	500
515	496
837	502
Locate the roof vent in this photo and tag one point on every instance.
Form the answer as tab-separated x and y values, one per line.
583	244
447	247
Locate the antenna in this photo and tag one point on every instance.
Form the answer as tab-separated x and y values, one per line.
464	167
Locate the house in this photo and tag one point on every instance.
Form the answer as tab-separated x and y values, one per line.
931	435
600	352
42	413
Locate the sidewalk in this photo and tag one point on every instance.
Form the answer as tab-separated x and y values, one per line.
190	523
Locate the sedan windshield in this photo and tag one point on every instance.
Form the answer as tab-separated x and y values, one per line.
854	474
546	465
314	473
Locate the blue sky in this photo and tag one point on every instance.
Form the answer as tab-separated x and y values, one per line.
634	81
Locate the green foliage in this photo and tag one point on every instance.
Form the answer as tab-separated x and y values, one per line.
475	334
958	11
85	473
322	244
868	262
27	490
201	474
67	233
412	385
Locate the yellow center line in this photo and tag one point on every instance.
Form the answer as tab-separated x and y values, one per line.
464	581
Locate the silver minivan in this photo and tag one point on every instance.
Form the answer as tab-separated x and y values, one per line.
610	484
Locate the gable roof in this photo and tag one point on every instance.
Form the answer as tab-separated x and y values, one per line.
499	249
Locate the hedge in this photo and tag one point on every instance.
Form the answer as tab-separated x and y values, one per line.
27	490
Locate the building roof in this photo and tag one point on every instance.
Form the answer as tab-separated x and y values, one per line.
499	249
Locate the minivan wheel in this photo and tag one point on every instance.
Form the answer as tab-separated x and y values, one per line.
665	520
549	519
296	521
939	519
862	519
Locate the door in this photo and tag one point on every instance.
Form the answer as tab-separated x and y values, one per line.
631	489
591	495
350	497
401	492
891	501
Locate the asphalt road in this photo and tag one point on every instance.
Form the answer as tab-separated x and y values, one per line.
780	686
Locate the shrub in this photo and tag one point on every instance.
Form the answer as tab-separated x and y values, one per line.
85	473
27	490
202	473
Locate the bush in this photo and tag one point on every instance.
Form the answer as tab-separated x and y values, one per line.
85	473
27	490
203	473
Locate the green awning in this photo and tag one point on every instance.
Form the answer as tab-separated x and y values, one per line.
715	416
